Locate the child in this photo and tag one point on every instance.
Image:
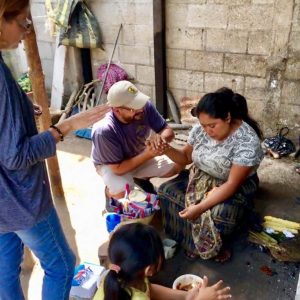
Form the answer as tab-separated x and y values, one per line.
136	252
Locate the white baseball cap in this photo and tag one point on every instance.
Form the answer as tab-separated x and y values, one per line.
124	93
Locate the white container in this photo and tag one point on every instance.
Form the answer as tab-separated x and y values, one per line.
169	248
187	279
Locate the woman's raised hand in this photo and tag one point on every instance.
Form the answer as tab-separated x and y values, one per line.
205	292
86	118
78	121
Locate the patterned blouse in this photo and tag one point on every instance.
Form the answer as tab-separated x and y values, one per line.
242	148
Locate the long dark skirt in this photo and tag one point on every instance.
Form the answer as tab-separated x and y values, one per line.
226	216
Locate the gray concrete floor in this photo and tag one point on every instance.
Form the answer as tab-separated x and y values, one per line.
85	229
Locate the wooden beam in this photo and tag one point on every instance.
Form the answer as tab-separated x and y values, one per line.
160	56
40	97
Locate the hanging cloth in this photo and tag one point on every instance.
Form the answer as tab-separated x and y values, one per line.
78	26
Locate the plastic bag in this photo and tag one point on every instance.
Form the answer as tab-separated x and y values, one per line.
279	144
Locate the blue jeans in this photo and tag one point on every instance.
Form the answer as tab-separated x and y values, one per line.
47	241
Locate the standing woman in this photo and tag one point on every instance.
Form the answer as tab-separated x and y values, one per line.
27	214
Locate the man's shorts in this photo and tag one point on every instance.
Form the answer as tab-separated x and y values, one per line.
156	167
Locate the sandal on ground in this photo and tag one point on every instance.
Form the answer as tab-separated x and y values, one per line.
297	169
190	255
224	255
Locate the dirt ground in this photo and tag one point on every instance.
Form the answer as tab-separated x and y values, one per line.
85	229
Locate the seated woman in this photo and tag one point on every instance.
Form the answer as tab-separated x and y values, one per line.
225	151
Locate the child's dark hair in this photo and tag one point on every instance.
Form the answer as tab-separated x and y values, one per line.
132	248
222	102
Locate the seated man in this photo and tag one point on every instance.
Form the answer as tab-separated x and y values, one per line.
122	146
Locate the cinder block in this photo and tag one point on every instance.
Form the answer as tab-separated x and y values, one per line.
130	70
255	88
229	2
291	92
254	17
187	1
204	61
280	45
175	58
144	35
185	79
145	74
207	16
283	12
253	65
296	18
146	89
293	70
176	15
136	55
259	42
185	38
233	41
256	109
108	13
214	81
127	35
263	1
289	115
294	45
109	33
108	52
143	13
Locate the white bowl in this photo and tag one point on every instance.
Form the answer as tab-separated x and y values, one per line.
186	279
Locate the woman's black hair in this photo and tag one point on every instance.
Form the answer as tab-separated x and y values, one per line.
222	102
132	247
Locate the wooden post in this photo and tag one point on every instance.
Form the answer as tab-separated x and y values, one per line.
160	56
40	97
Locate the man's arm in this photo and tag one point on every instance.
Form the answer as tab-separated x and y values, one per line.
132	163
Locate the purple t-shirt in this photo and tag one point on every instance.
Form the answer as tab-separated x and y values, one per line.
114	141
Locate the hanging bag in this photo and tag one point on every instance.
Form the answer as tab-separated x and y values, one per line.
279	144
83	30
78	26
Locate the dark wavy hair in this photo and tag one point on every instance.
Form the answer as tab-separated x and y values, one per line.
132	247
222	102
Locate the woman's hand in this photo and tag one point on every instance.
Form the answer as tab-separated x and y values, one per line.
158	143
86	118
80	120
153	151
192	212
205	292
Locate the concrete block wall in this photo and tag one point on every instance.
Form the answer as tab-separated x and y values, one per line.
251	46
134	51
